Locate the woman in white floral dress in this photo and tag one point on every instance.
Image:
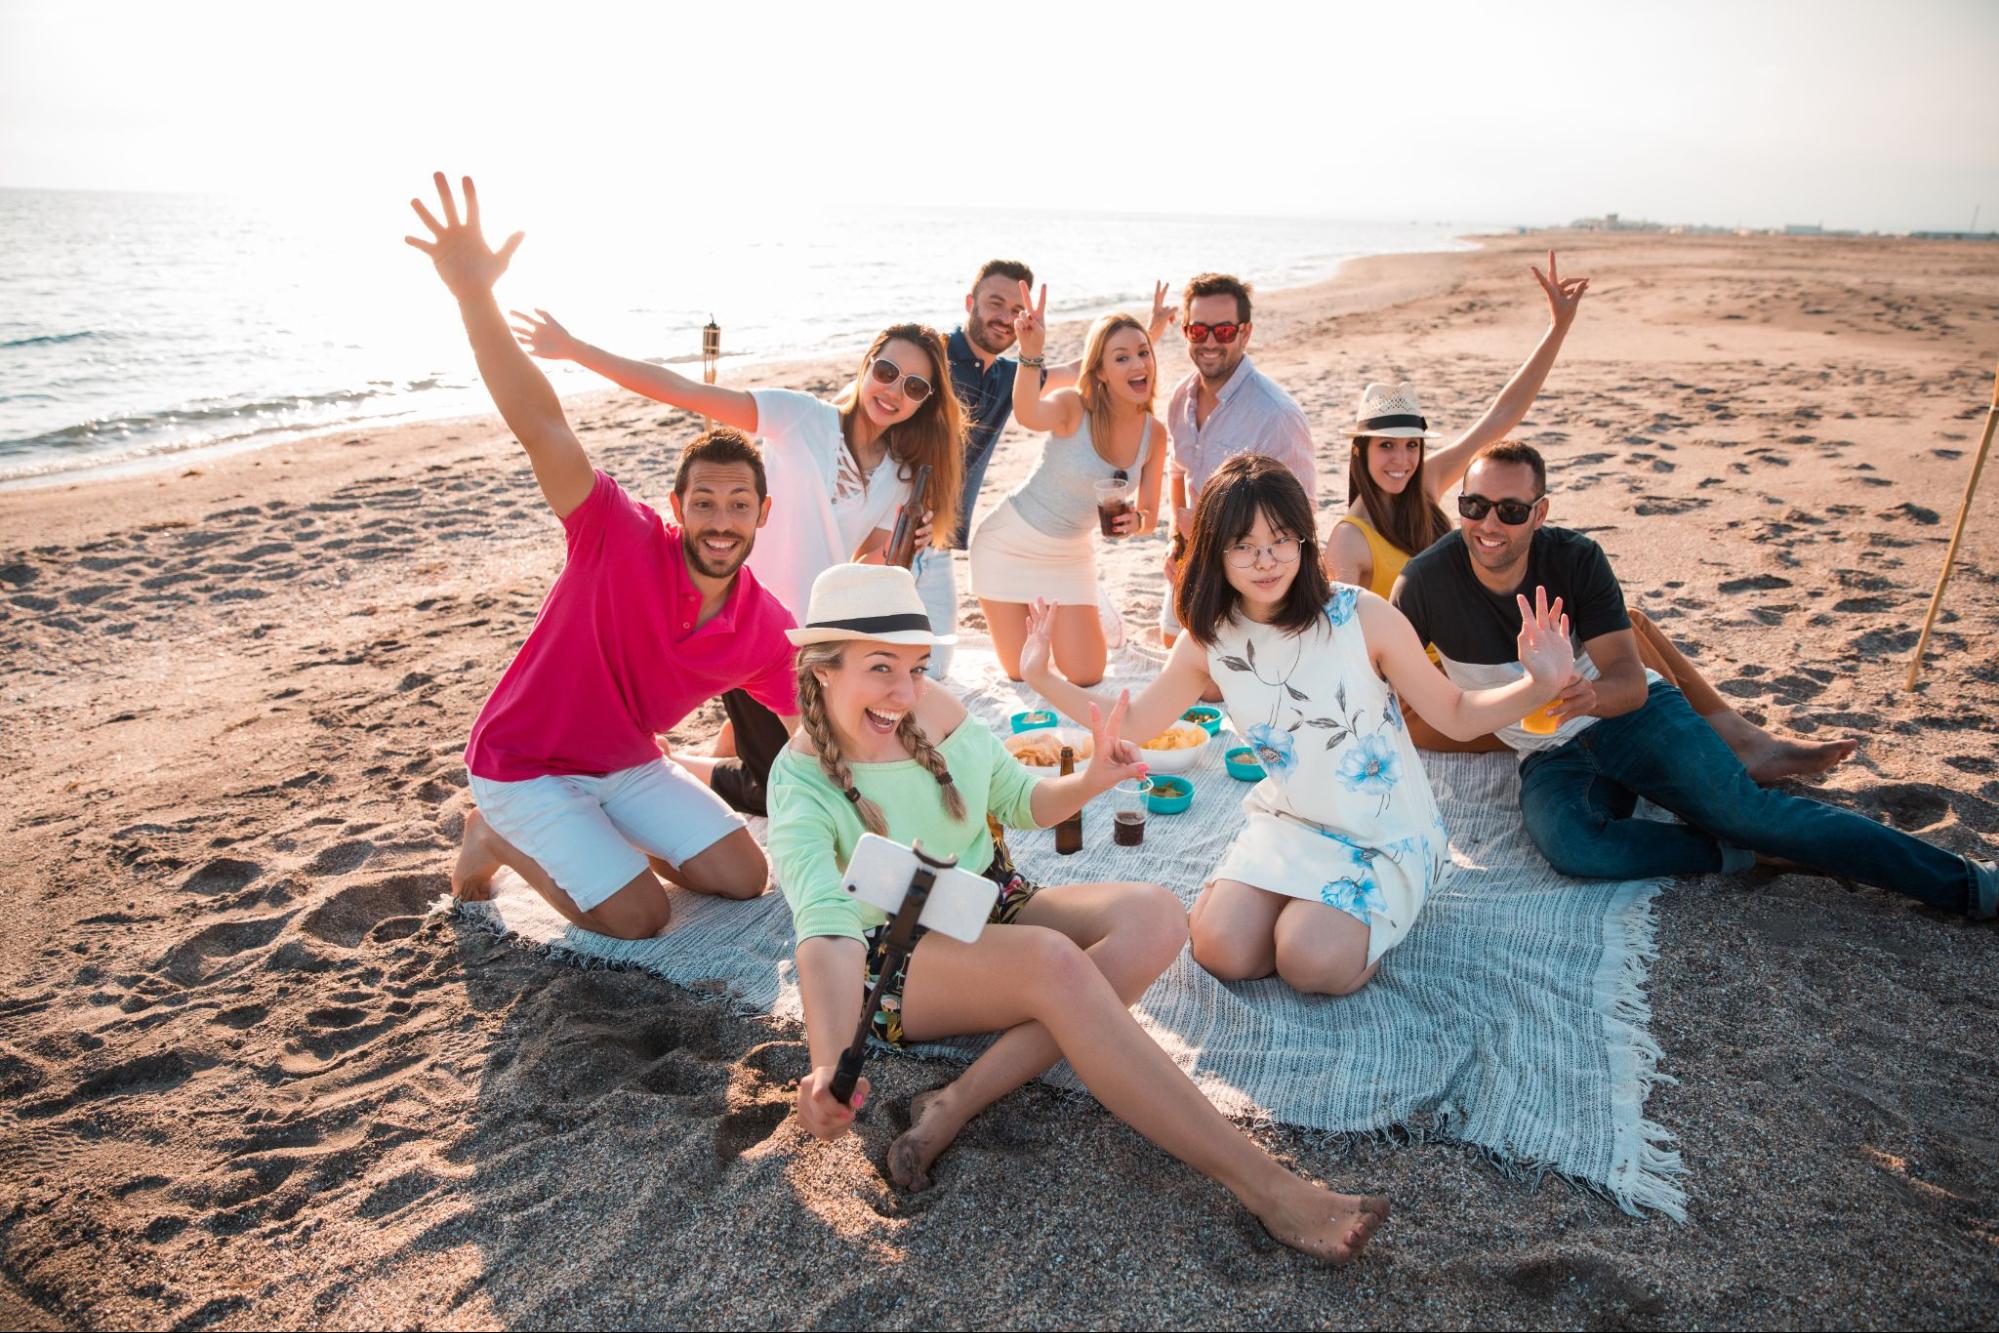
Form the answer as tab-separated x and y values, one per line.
1343	840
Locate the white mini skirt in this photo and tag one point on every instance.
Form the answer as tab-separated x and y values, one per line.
1013	561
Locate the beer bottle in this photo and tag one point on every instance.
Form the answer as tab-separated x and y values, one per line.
902	542
1069	833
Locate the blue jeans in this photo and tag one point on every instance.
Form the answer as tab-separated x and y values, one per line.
1577	800
937	585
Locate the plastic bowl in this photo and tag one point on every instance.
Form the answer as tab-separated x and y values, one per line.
1177	761
1079	741
1206	716
1034	720
1170	795
1242	764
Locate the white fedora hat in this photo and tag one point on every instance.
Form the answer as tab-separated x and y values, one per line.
1393	414
878	603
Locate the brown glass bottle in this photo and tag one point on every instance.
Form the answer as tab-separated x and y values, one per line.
902	540
1069	833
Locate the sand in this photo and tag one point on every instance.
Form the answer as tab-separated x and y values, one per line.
246	1080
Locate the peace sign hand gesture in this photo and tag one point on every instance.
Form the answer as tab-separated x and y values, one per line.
467	264
1030	326
1164	315
1564	294
1544	645
1112	758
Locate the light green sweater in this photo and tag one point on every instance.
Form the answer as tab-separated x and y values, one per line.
813	827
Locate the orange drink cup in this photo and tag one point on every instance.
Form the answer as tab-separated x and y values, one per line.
1541	722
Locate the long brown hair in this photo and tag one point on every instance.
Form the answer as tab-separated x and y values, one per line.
1096	394
833	763
933	434
1410	520
1243	487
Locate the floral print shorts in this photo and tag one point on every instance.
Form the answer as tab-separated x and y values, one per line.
1012	893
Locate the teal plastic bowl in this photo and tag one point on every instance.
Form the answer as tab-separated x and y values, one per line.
1171	795
1034	720
1242	764
1207	715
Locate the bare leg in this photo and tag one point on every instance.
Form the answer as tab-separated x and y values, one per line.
731	867
1132	932
1007	623
1023	974
1234	930
1767	756
1078	643
1241	933
637	911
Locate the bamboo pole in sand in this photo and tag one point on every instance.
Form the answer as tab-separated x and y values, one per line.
1957	534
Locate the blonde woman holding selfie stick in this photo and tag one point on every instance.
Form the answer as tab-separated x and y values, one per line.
1099	474
882	749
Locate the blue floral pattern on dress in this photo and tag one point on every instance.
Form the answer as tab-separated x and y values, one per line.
1370	767
1273	747
1359	898
1391	713
1341	608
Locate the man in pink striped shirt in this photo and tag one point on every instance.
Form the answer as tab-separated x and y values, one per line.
647	621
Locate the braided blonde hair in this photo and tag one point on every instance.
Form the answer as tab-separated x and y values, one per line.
812	716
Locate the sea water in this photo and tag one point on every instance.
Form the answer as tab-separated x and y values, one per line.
144	329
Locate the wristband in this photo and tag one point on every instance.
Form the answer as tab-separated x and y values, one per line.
1036	361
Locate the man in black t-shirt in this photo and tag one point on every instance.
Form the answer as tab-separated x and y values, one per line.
1622	731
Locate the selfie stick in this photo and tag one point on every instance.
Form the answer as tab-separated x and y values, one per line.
901	939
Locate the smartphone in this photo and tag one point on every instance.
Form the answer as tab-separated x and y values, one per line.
879	872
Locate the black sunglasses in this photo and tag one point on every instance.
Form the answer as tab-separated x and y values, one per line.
1511	512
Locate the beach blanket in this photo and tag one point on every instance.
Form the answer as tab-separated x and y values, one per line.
1513	1018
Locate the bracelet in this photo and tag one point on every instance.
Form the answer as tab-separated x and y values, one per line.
1035	361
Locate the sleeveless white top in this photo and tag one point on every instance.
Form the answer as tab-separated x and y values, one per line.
1344	815
1060	498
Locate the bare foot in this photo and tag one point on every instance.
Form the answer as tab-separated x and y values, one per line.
1330	1227
478	862
930	1132
1773	758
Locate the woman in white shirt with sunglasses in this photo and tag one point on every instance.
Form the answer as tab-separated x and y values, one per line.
838	469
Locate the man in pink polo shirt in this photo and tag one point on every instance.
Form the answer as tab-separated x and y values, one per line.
647	620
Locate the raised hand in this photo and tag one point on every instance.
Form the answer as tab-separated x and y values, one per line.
1112	758
1544	646
1030	326
467	264
542	335
1035	652
1564	294
1164	314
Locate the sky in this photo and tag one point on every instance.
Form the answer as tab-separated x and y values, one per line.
1851	113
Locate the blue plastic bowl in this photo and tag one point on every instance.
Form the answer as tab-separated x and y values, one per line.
1034	720
1207	715
1242	764
1171	795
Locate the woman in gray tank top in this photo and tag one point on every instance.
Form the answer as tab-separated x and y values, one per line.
1037	542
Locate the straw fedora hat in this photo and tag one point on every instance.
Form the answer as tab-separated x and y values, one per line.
1393	414
878	603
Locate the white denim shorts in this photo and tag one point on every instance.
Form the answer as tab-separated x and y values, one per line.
593	834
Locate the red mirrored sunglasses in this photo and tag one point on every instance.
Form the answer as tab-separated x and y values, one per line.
1224	333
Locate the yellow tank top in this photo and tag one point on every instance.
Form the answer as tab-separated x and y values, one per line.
1388	560
1387	557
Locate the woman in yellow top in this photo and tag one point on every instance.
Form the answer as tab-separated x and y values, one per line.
1393	485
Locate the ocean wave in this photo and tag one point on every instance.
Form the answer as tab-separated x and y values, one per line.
259	415
51	339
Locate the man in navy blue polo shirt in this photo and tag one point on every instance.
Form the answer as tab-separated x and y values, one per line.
983	380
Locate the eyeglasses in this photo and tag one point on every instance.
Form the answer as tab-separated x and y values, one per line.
1242	555
888	372
1224	333
1511	512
